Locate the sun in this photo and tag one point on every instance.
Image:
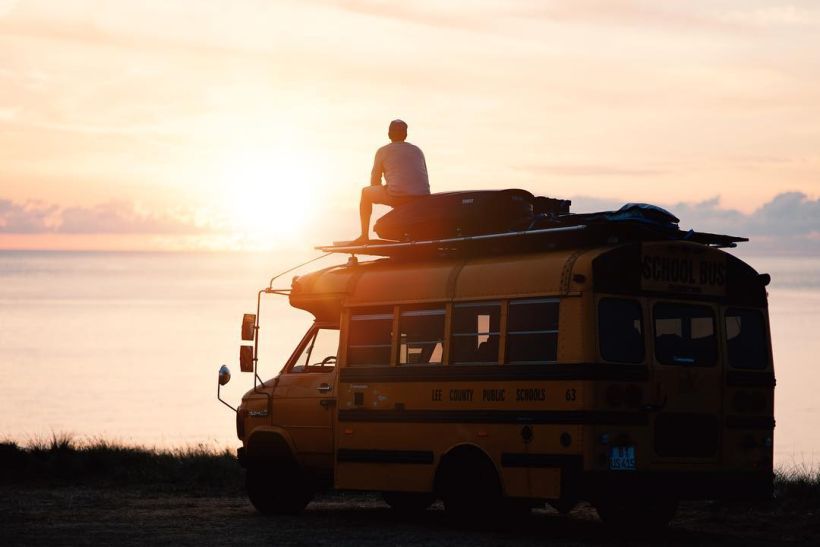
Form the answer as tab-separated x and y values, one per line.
269	194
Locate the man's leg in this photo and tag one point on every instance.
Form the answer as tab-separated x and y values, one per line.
365	211
370	195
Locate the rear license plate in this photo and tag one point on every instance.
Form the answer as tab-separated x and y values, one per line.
622	458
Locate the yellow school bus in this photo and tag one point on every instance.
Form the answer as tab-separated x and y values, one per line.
630	375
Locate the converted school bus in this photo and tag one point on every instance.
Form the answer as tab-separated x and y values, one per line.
631	375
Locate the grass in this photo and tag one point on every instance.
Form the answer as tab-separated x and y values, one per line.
202	470
798	484
62	460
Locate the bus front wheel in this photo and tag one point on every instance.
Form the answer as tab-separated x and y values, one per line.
274	490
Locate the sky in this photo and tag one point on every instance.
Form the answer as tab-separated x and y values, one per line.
252	124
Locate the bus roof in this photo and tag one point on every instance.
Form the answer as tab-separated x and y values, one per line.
679	268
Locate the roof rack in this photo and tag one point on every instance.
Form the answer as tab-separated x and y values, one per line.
382	247
579	235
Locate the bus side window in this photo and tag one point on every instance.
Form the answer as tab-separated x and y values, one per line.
685	335
746	339
476	330
532	331
620	330
370	337
421	336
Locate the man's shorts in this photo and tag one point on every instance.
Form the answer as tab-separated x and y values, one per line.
379	194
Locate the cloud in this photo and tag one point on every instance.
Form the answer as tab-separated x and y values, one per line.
773	16
115	217
25	218
590	170
789	223
788	214
434	14
485	15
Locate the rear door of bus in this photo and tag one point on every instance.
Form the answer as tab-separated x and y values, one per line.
687	381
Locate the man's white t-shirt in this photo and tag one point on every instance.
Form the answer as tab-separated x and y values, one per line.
404	169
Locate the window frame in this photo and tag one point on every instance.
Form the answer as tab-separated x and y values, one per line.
369	310
717	329
641	307
451	335
421	310
310	335
766	341
507	333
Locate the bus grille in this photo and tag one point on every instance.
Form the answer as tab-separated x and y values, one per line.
687	435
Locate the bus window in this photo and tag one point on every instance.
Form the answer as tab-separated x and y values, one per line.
476	330
370	337
319	354
620	330
421	336
685	335
532	331
746	339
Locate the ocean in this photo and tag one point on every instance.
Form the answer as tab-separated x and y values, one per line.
126	346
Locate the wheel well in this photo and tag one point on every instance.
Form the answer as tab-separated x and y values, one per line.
463	463
268	447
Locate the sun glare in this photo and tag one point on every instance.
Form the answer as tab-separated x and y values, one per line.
269	195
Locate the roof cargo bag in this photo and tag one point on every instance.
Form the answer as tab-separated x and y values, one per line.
457	214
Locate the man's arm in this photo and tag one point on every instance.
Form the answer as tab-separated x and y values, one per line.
378	169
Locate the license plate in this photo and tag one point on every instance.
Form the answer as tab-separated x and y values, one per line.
622	458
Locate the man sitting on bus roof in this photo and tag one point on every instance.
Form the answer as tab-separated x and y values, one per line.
405	176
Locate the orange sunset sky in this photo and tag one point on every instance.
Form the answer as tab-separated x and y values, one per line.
252	124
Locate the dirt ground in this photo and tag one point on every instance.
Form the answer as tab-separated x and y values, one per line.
96	516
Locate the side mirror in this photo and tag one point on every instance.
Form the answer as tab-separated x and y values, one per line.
246	358
224	378
248	324
224	375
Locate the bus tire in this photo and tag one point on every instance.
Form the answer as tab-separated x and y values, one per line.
469	486
275	489
635	516
408	502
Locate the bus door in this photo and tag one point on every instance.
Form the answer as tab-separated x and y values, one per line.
304	398
687	381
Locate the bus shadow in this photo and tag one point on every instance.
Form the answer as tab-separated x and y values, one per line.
373	523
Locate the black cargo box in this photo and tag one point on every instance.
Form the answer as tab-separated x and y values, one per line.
458	214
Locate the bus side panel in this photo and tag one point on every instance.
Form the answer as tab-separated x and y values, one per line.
392	435
576	328
408	461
